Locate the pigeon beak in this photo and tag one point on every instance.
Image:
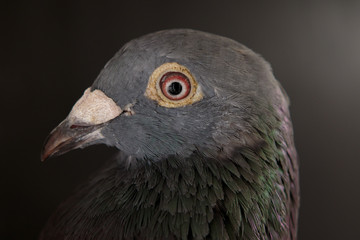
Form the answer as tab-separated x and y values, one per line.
67	137
83	125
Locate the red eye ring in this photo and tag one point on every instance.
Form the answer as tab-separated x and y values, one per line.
175	85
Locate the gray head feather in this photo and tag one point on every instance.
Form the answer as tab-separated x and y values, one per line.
237	85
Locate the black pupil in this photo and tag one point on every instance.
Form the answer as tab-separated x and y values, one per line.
175	88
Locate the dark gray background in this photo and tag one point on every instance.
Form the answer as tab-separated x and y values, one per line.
52	51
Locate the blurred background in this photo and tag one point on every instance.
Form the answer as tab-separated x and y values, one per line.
52	51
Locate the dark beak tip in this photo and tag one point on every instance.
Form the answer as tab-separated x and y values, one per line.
47	148
52	143
43	156
45	153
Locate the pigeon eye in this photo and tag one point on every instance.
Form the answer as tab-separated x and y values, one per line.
172	85
175	86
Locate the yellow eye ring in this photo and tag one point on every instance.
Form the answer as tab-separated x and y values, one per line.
172	85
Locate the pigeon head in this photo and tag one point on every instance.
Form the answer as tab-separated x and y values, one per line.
209	116
171	93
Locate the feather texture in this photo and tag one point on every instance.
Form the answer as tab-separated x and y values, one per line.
248	193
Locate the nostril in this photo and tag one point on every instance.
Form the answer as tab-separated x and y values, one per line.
78	126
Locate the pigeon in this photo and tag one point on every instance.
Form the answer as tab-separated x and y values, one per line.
205	145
